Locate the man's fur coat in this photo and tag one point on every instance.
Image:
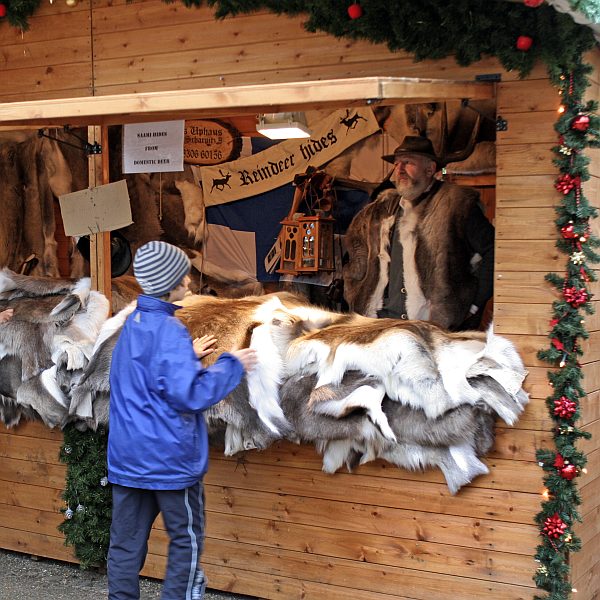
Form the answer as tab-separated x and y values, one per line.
443	253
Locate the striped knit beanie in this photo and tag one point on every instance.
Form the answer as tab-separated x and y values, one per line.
160	267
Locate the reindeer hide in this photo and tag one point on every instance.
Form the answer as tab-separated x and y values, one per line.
49	339
357	388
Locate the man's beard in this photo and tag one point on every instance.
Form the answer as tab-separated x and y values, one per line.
410	188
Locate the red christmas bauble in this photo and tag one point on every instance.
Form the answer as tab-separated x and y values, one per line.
355	11
568	232
533	3
524	43
2	10
580	123
568	472
565	183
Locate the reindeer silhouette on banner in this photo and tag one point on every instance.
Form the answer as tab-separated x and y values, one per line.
221	182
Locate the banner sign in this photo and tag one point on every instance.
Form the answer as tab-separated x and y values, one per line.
278	165
153	147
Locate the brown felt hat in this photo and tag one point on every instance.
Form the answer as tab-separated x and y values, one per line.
413	144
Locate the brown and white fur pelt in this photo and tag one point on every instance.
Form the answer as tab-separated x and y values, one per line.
244	322
368	240
418	364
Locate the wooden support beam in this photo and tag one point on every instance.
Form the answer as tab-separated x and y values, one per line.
100	258
236	100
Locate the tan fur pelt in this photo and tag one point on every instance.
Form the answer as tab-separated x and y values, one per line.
34	172
481	161
124	289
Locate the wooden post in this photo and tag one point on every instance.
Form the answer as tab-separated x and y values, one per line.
100	264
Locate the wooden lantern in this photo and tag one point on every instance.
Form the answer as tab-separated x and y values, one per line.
305	243
316	245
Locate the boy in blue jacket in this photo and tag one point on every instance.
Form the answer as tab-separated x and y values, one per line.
157	440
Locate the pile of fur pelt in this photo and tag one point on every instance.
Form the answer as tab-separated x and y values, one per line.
357	388
46	345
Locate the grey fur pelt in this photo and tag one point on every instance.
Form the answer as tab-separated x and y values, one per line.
46	342
93	386
30	332
15	285
353	439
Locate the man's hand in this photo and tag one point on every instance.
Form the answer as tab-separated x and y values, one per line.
202	345
248	358
5	315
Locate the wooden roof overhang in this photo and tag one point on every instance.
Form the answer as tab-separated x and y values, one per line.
237	100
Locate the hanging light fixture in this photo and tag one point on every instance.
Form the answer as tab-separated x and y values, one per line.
281	126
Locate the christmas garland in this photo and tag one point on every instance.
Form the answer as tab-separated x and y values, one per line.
578	128
519	35
87	495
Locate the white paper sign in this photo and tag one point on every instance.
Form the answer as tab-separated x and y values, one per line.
153	147
96	209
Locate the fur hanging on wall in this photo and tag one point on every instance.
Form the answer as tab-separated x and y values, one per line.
355	387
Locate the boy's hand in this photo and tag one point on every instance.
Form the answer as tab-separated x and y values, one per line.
202	345
248	358
5	315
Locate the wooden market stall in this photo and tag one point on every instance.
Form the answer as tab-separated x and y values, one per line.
277	526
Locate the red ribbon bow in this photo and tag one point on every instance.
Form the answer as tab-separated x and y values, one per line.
565	408
554	526
575	297
565	183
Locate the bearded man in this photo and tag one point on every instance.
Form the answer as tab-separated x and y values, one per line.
423	250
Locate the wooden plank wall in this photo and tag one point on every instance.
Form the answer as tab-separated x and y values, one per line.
53	59
144	46
277	526
32	480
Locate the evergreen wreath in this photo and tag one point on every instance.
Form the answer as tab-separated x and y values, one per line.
434	29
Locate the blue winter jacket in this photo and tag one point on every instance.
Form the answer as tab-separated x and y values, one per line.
157	436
